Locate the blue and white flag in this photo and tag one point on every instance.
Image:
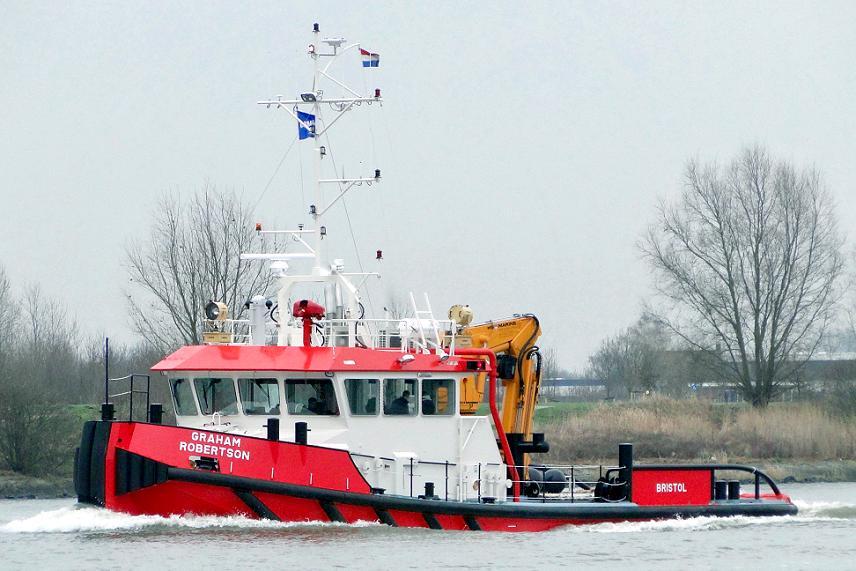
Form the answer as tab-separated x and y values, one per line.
306	126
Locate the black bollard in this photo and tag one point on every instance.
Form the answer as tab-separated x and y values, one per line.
273	429
108	411
156	413
429	490
625	474
734	489
301	430
720	490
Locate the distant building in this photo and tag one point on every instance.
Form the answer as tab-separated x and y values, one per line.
574	388
819	375
685	374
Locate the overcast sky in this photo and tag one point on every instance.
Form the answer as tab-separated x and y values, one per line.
523	146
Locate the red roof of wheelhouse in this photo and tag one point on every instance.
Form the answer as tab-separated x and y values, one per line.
310	359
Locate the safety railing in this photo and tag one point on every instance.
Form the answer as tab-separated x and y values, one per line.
402	335
226	331
392	334
578	482
571	482
108	408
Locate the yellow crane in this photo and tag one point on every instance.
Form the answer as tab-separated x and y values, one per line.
519	368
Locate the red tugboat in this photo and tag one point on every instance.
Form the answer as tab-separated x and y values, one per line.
322	414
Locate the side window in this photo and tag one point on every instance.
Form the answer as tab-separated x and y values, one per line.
363	396
311	396
259	396
216	395
182	396
399	397
438	397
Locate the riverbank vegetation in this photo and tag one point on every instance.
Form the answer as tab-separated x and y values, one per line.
47	369
700	430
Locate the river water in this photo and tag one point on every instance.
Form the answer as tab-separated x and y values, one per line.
53	534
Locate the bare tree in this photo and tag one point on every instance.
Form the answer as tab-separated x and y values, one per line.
747	261
397	307
37	356
632	360
8	317
193	256
36	432
549	370
606	365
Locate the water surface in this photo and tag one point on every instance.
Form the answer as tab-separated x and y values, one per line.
51	534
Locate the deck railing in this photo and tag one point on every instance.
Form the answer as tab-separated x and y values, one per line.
401	335
578	482
134	382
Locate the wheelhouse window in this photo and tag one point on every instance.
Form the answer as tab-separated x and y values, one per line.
363	396
438	397
311	396
216	395
259	396
182	396
399	397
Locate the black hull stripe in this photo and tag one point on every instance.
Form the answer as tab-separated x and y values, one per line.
431	521
385	517
472	523
332	512
255	504
566	511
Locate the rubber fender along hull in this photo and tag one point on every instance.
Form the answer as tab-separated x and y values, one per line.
90	463
122	467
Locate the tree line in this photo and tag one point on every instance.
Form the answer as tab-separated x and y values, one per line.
47	365
52	373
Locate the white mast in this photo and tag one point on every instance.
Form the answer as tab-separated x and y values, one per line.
316	108
311	123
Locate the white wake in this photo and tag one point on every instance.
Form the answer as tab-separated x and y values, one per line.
91	519
83	519
809	512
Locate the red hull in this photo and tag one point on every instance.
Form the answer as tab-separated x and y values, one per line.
148	469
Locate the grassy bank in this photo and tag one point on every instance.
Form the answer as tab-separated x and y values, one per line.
14	485
796	433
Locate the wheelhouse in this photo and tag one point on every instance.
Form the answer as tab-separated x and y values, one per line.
400	420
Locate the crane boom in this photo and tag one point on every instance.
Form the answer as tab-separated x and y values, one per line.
519	367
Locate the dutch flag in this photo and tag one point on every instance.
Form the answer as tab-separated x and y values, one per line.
369	59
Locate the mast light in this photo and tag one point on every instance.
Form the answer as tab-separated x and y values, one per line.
312	210
377	173
323	231
258	226
377	93
379	255
315	27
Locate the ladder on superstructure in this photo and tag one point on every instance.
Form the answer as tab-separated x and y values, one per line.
419	314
